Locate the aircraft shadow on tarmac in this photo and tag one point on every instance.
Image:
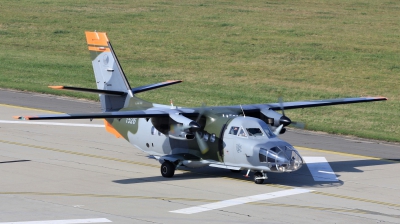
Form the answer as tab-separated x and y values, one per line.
300	178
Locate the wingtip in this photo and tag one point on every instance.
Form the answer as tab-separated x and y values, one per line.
377	97
21	118
175	81
56	87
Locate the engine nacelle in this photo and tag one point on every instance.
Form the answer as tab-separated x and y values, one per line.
278	118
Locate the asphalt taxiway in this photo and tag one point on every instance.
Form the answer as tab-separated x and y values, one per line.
82	174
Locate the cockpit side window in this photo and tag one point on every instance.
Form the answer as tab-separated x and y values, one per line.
234	130
242	133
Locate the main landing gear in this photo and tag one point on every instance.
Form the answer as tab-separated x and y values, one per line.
259	177
167	169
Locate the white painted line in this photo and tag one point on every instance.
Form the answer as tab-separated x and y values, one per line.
239	201
320	169
68	221
52	123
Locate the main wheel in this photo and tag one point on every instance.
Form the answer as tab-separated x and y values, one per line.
167	169
257	175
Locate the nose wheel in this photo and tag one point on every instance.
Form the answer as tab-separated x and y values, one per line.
167	169
259	177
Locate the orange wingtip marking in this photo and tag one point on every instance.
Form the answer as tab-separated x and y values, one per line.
170	81
56	87
112	130
100	49
377	97
96	38
381	97
22	117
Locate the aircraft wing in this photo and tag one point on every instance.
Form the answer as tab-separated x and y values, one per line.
164	112
117	114
249	108
320	103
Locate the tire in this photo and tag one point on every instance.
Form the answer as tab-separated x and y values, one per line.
258	181
167	169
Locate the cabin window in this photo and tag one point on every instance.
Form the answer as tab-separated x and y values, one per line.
153	130
234	130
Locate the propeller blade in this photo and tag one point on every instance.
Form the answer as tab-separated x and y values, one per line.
201	112
202	144
299	125
281	105
278	130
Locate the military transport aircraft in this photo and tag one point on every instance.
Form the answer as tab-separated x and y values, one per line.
242	137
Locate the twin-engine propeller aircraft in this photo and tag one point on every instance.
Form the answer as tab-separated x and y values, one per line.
230	137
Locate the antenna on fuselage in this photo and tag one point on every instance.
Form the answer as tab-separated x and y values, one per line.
244	115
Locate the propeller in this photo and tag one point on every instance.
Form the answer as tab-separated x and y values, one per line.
299	125
200	141
286	121
202	144
278	129
189	127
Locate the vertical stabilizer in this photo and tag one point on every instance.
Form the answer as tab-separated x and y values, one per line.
108	72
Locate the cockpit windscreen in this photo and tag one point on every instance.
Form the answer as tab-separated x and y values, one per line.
254	132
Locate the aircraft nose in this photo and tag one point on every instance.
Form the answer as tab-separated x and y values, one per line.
294	160
282	158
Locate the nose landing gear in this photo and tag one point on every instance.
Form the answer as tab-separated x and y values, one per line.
259	177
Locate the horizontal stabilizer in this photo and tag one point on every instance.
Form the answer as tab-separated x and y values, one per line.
98	91
154	86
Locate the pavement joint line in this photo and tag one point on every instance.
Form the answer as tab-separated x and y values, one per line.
230	178
356	199
29	108
76	153
184	199
65	221
345	154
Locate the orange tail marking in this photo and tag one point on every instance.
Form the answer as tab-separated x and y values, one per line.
96	38
56	87
112	130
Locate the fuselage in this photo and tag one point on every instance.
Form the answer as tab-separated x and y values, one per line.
232	140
